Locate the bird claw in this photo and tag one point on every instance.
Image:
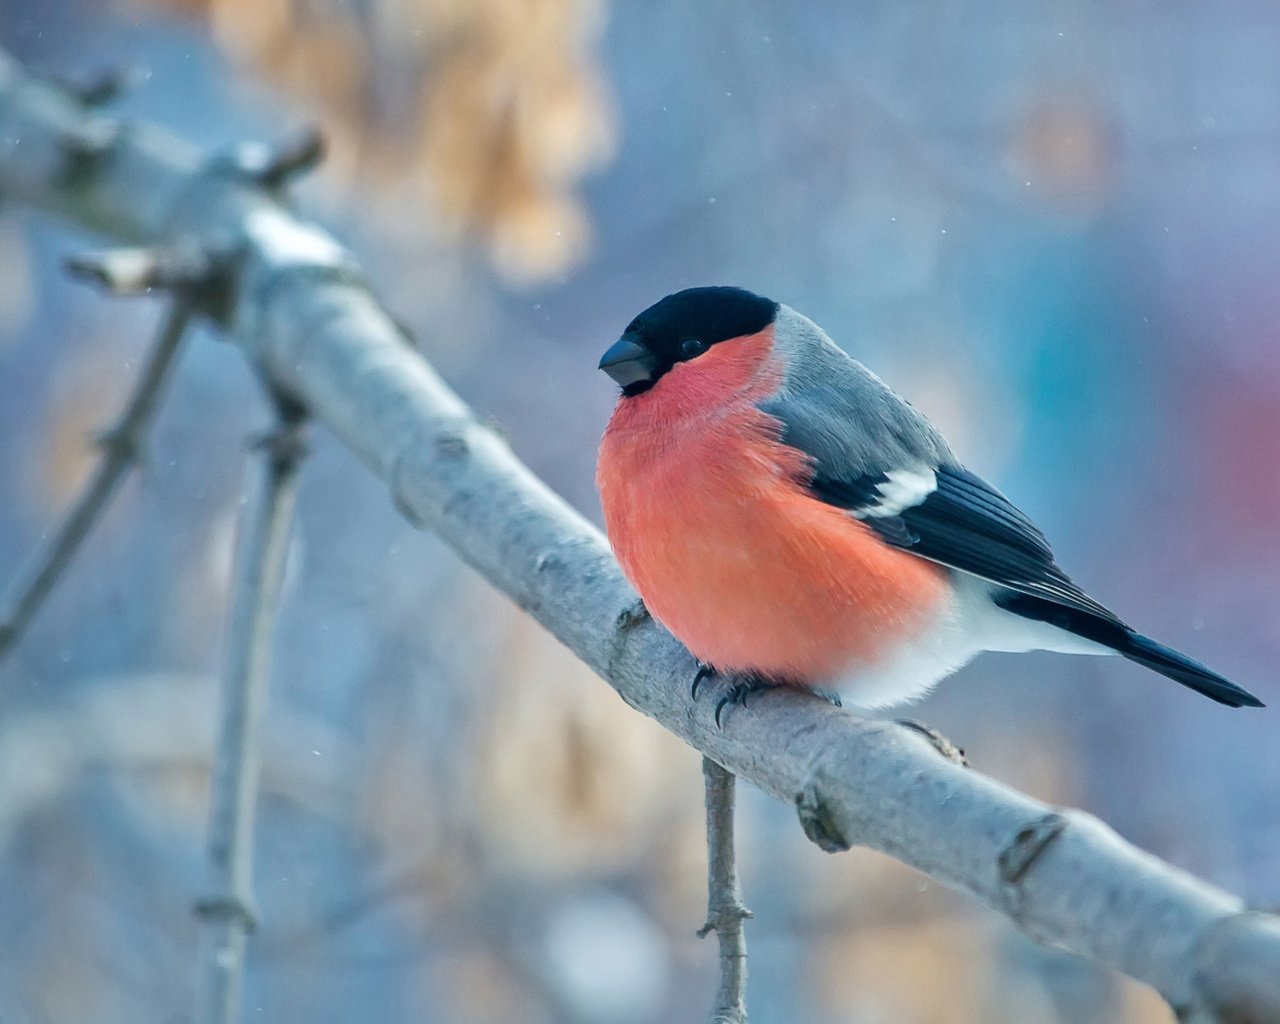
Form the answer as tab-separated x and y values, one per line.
739	687
705	671
734	696
737	694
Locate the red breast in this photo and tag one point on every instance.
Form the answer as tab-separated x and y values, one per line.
709	517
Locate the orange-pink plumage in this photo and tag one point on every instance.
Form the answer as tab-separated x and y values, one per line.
710	519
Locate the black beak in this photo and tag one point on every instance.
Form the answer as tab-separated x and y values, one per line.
628	362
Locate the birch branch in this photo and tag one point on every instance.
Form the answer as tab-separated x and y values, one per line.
227	913
120	445
725	910
305	319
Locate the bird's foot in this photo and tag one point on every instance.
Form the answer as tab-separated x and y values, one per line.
705	671
741	686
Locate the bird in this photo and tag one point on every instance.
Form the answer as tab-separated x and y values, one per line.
794	522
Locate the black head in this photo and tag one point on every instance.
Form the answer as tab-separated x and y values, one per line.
681	327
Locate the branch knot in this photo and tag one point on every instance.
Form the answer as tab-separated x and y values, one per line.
227	909
273	166
723	918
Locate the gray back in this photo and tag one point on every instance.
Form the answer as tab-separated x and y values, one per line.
841	413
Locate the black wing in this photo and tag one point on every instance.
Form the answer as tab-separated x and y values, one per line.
964	523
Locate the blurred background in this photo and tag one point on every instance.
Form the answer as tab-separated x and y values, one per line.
1053	227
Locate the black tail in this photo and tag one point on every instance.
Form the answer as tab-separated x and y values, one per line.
1187	671
1120	638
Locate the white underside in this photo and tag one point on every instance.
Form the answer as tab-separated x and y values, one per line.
970	624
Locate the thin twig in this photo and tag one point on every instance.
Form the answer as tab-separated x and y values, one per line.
725	910
120	445
226	913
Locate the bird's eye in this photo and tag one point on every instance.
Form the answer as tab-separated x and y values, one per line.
691	347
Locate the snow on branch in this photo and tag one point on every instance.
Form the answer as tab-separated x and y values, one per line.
301	312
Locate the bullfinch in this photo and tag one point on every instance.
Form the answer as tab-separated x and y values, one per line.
794	522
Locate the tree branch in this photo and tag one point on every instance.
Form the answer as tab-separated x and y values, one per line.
121	445
725	910
227	912
311	327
